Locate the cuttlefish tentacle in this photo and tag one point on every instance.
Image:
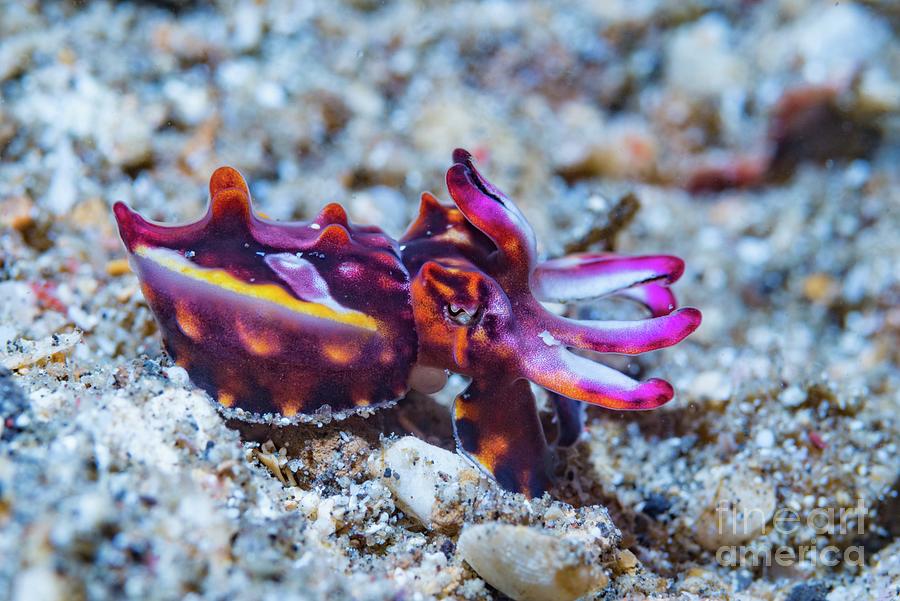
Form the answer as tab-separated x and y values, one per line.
494	214
550	363
657	299
593	275
626	337
569	419
644	279
562	371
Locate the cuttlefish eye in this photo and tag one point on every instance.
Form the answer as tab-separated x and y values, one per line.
462	316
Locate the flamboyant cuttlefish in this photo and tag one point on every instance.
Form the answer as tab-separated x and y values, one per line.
286	320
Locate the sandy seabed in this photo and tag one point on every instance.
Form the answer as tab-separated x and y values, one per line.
756	140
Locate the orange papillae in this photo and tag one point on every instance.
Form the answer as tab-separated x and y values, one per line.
290	408
332	213
188	321
263	343
226	399
229	193
342	354
334	235
147	291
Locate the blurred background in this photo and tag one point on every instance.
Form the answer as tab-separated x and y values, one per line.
756	139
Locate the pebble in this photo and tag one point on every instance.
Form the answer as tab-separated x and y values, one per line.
765	439
178	375
527	564
63	190
710	385
737	505
792	396
415	472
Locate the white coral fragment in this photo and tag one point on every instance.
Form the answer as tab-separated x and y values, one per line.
22	353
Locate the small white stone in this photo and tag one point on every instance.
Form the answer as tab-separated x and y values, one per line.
177	375
309	503
248	25
701	59
271	94
792	396
63	191
754	251
835	41
46	403
325	522
879	90
190	102
765	439
38	582
710	385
